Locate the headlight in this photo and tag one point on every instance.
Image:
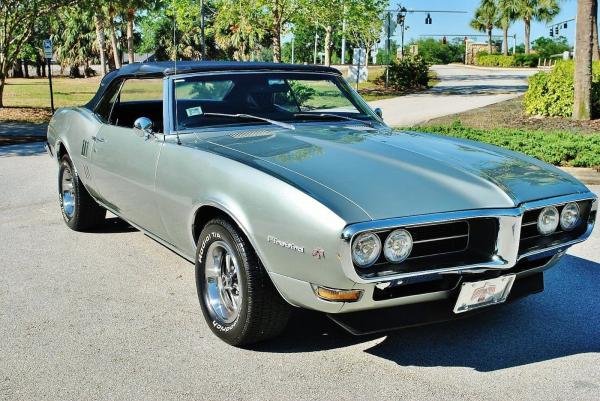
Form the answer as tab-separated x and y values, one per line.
397	246
548	220
366	249
569	217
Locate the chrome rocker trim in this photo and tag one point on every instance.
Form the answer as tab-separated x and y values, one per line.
507	244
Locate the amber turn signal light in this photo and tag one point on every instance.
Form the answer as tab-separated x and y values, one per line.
333	295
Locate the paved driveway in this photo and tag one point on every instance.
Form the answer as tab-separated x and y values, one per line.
460	89
113	315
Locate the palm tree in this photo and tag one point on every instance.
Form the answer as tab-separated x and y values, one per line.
596	47
535	10
583	61
485	19
508	15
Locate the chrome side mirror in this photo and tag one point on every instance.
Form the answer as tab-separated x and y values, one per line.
379	112
143	125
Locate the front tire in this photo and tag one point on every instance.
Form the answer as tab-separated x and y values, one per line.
237	298
79	210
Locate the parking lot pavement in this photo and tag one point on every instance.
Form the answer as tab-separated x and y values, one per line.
114	315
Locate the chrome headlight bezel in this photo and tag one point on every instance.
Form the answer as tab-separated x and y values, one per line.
543	227
565	209
387	250
376	252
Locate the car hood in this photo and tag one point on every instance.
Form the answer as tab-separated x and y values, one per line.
389	173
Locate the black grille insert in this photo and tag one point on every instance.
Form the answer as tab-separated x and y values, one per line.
532	240
441	245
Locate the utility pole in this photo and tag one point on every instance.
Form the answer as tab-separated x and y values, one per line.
316	43
388	48
202	36
293	40
344	42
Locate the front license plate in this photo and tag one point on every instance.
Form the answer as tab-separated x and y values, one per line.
483	293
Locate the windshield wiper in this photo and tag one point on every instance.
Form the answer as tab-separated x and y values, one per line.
274	122
329	115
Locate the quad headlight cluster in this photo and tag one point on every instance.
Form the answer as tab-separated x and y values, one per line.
549	218
367	247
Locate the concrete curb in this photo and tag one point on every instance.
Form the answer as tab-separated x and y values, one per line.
477	67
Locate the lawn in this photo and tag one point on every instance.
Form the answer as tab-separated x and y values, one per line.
559	141
29	99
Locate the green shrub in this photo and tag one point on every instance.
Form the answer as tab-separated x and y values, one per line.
558	148
551	93
498	60
408	73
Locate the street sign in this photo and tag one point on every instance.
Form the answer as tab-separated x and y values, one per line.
358	72
47	45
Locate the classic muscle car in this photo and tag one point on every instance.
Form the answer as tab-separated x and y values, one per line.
285	188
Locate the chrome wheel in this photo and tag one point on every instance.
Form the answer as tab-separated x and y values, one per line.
67	192
223	293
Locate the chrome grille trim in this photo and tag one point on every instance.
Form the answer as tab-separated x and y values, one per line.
441	238
507	244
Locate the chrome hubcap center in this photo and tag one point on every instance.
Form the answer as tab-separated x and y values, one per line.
67	192
223	293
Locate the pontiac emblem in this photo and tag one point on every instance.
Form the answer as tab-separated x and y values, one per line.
318	253
481	293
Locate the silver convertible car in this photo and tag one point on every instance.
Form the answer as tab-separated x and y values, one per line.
287	190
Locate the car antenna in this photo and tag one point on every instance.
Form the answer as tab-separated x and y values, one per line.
175	72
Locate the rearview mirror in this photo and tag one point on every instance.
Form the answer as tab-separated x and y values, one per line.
143	125
379	112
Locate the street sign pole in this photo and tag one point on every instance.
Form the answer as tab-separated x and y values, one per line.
47	45
50	83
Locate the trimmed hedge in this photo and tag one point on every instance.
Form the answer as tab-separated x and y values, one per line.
498	60
558	148
408	73
552	94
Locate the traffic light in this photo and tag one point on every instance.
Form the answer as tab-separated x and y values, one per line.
556	30
428	19
551	32
444	40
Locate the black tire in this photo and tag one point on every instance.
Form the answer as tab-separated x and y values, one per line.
262	313
79	210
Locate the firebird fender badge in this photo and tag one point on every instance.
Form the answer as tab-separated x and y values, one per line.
289	245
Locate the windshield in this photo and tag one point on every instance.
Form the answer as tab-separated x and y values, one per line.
223	99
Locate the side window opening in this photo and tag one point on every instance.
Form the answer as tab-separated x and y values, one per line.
138	98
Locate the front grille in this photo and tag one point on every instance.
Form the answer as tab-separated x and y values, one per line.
440	245
532	240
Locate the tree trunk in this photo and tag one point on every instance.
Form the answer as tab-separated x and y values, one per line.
2	82
26	68
595	48
582	109
130	18
113	40
490	49
276	42
328	30
101	42
527	35
505	41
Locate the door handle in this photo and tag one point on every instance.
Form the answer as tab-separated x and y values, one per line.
96	139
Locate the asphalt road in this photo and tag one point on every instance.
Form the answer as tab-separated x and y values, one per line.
114	315
461	88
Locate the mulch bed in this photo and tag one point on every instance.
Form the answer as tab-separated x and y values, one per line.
6	140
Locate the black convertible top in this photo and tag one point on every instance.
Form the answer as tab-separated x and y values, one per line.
165	68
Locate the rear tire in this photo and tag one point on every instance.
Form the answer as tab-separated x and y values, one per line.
237	298
79	210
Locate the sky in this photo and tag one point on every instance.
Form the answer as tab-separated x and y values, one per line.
458	24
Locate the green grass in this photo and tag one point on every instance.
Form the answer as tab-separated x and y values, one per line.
34	92
555	147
